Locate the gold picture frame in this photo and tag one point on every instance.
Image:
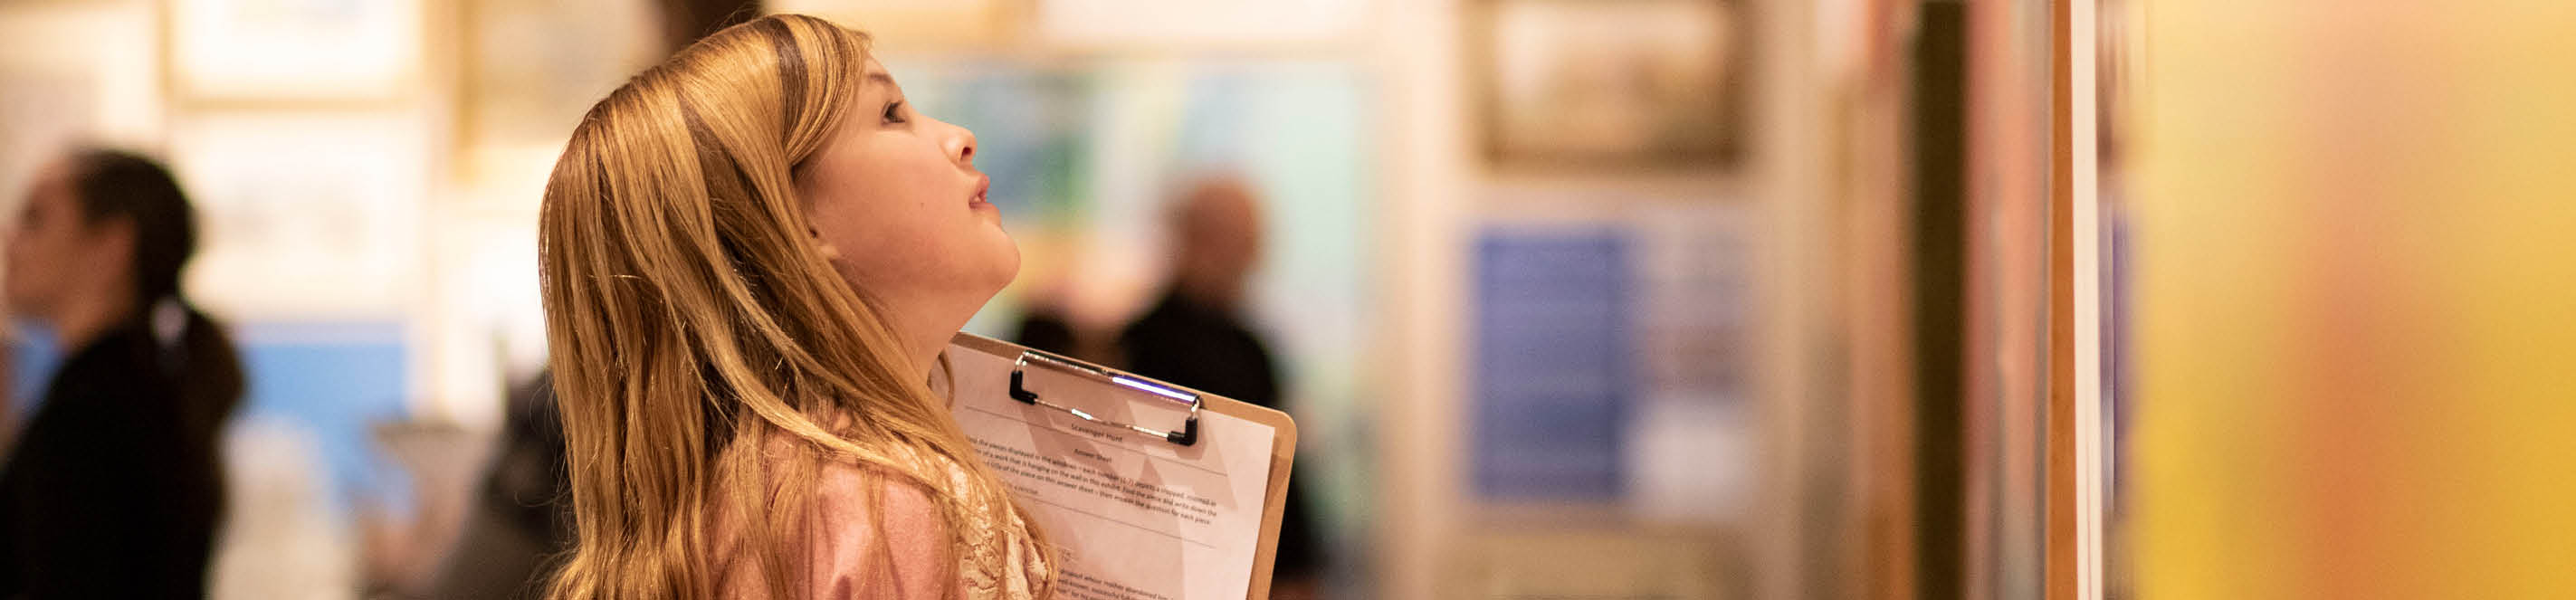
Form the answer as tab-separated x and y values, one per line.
1620	85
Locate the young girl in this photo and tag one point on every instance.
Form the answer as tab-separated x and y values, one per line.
753	255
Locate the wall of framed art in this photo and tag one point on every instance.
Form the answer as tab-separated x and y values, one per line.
1433	171
1589	325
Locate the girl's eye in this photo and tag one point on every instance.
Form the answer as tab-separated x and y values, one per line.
894	112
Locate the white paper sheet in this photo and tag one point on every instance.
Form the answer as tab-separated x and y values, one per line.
1133	517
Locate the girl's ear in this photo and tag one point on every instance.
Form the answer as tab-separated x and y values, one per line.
830	252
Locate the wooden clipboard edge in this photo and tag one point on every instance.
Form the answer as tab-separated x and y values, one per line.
1283	452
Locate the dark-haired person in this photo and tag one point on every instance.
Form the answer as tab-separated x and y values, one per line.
1196	336
114	489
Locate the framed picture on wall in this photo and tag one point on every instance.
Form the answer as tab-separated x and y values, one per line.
303	215
1153	25
914	25
268	50
1610	84
528	72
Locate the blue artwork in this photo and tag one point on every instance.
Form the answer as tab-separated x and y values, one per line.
337	380
1553	379
1031	132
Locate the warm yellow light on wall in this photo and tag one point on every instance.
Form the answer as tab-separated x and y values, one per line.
2356	301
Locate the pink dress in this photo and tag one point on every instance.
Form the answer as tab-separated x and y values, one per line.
1004	564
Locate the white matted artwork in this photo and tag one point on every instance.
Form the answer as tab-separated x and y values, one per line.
1692	437
530	70
294	49
1616	83
1132	23
304	216
914	25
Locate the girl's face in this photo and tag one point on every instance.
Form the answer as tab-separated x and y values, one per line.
896	201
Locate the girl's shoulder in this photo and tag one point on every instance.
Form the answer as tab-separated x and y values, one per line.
864	532
864	513
875	531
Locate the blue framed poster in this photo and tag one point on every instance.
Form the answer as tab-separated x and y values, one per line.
1553	380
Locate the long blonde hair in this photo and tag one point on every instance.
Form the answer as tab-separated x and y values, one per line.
692	318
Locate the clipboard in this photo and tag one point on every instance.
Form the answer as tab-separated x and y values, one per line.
1283	447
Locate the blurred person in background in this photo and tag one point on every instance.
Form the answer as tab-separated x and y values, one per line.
1049	325
115	488
520	522
1196	336
753	256
1045	327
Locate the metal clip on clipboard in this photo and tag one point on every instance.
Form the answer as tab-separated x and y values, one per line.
1187	436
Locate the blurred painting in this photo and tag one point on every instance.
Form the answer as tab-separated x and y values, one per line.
294	49
1612	84
1201	23
304	217
531	69
915	25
